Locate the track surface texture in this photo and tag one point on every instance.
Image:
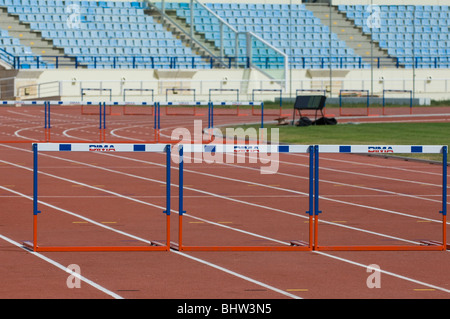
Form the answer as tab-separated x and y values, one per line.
95	199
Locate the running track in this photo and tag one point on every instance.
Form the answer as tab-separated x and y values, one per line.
364	201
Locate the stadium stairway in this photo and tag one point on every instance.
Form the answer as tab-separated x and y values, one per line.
26	36
181	29
115	34
353	36
408	32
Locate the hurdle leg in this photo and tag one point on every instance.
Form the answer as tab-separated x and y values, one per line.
33	245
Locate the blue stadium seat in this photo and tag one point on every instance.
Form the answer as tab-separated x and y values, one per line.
111	23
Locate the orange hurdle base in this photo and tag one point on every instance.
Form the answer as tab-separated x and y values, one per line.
435	243
155	246
381	248
175	246
295	245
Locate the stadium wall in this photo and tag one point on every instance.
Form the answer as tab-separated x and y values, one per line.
189	85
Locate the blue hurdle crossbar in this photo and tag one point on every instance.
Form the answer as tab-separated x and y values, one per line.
381	149
96	147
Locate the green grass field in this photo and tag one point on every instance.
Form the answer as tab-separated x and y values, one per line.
367	133
288	104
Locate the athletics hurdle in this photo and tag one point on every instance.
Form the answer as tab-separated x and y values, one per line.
392	149
83	111
192	107
86	147
212	113
237	104
156	113
295	245
175	91
95	89
101	114
137	90
47	124
141	107
224	90
48	114
398	91
358	92
280	113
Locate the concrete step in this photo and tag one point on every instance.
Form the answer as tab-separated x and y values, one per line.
348	32
26	36
177	31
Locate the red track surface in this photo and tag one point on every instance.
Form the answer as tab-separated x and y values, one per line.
364	201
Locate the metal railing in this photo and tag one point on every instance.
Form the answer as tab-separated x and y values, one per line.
261	62
246	40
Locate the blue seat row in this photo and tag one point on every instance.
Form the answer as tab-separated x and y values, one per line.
63	3
66	11
397	8
126	51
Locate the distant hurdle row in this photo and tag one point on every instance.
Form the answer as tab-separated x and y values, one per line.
364	96
149	109
313	210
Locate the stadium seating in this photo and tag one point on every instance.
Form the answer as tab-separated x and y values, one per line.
305	39
11	47
118	34
109	34
420	31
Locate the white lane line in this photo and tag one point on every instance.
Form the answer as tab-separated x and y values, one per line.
399	276
214	265
143	240
386	272
58	265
